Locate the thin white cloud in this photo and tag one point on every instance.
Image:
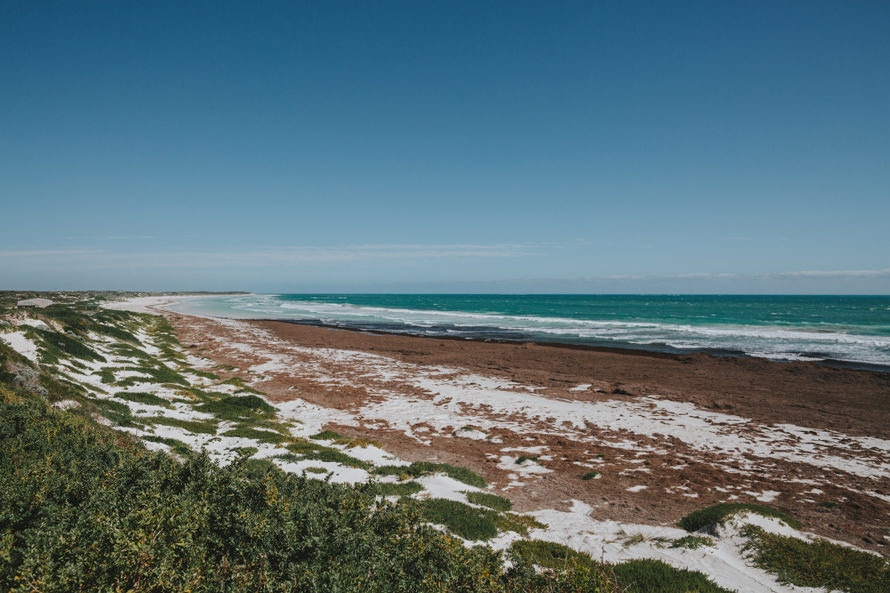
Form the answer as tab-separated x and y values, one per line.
839	273
264	257
47	252
877	273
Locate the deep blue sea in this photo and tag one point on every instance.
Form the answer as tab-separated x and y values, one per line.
845	329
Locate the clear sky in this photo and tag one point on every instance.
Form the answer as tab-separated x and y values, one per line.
446	146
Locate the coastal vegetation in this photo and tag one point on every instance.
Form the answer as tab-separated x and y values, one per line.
818	563
422	468
711	516
492	501
86	508
126	467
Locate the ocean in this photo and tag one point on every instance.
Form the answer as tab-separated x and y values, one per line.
846	330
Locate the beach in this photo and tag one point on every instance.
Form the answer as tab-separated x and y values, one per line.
638	437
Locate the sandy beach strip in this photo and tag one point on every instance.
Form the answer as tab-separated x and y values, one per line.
656	436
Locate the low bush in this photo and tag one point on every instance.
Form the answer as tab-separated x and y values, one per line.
420	468
326	435
818	564
394	489
518	523
492	501
83	508
143	398
315	470
647	576
262	436
154	374
116	412
205	374
463	520
550	554
717	514
692	542
60	344
175	445
237	407
197	426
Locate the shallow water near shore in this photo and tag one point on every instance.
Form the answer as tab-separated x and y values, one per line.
843	329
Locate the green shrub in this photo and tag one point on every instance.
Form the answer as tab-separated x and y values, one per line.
83	508
394	489
420	468
334	456
590	475
143	398
466	521
58	343
197	426
155	374
645	576
205	374
517	523
717	514
315	470
524	458
309	450
116	412
326	435
175	445
235	407
492	501
262	436
818	564
692	542
115	332
339	439
550	554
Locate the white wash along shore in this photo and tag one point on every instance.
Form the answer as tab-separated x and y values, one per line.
455	392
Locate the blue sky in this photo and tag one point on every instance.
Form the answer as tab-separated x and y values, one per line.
418	146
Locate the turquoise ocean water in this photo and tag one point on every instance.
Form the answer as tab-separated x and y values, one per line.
853	330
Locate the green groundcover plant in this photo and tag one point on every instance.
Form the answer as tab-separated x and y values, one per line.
85	508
